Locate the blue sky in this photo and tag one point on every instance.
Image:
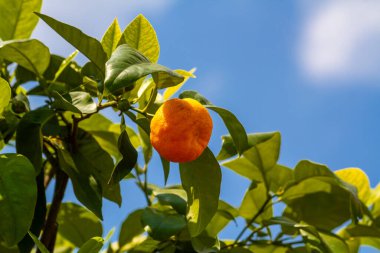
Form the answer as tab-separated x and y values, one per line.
308	69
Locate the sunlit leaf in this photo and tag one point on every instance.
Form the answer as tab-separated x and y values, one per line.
17	18
5	94
169	92
77	225
39	244
130	228
31	54
254	199
357	178
225	214
93	245
66	62
111	37
140	35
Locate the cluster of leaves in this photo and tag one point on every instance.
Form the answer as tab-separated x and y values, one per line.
68	139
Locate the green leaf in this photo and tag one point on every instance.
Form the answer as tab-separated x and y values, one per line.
18	20
106	133
127	65
166	168
130	228
222	217
363	231
29	136
260	161
306	169
268	249
20	104
111	38
334	242
129	160
279	177
236	129
265	151
228	149
70	75
18	196
31	54
147	246
87	45
243	167
140	35
66	62
77	225
75	101
39	217
86	189
253	200
39	244
370	241
5	95
176	198
201	180
322	214
144	132
4	249
359	179
62	245
161	225
93	245
205	243
170	91
194	95
91	159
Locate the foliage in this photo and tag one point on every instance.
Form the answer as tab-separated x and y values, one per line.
68	139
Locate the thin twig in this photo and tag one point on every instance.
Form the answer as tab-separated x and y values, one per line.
142	186
251	221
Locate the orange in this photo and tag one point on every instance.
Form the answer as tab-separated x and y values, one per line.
181	130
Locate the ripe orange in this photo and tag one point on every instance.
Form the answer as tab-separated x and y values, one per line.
181	130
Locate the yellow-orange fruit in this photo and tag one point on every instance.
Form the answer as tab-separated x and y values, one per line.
181	130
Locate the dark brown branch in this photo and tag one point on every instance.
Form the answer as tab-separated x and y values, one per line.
51	226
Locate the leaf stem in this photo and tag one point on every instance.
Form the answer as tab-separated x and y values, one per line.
148	115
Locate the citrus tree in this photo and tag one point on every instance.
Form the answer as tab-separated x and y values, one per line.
69	139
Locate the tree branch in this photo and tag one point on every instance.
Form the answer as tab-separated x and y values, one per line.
51	226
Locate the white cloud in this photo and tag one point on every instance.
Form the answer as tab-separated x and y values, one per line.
341	39
94	16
